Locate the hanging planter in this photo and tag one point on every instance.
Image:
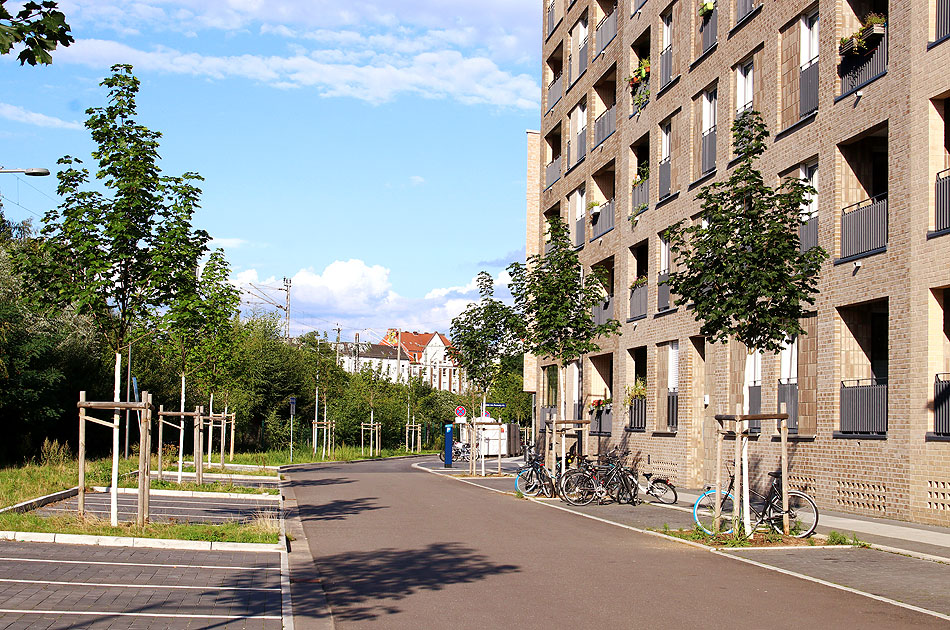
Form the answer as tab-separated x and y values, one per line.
865	38
705	8
594	208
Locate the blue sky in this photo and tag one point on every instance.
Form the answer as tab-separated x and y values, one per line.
374	152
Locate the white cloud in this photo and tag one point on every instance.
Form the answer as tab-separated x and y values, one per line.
18	114
443	74
417	180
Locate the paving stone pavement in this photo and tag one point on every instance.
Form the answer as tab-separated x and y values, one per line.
70	586
163	509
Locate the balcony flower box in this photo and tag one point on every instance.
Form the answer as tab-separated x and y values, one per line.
639	282
865	39
594	208
705	8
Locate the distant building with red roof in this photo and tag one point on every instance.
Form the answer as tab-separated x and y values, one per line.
428	358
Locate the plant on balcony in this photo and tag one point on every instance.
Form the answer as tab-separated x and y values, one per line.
643	173
593	208
706	8
637	392
865	38
639	282
600	405
636	211
640	74
555	302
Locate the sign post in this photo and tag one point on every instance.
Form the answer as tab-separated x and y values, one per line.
448	446
293	408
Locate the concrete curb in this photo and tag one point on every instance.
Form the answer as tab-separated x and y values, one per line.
218	475
305	570
353	461
38	502
143	543
193	494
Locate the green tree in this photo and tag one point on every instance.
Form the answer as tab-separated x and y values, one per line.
555	301
117	259
742	270
484	333
38	26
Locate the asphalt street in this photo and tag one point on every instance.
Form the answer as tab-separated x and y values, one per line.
396	547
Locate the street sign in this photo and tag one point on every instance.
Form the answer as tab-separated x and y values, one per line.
460	411
293	405
487	414
496	405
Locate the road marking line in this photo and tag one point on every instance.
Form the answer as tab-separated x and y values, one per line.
168	586
722	554
90	613
141	564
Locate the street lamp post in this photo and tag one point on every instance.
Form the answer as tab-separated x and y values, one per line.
32	172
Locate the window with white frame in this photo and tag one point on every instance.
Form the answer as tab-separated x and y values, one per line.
667	19
788	360
710	98
809	173
744	77
666	135
664	254
809	37
753	379
577	206
673	365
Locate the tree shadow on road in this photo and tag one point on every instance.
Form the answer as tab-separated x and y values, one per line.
337	510
364	586
323	481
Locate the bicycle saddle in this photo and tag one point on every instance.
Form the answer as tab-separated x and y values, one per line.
776	473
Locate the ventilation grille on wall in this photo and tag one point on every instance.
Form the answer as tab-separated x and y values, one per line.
861	496
938	496
662	468
802	483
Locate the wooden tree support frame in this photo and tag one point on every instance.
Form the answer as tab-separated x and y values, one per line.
219	421
144	406
479	429
740	424
181	415
413	437
559	435
374	430
328	427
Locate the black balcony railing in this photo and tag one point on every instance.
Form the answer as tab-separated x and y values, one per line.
672	409
640	197
808	88
943	19
942	218
666	172
808	233
707	29
578	149
580	232
856	70
552	172
581	59
754	392
638	301
864	407
606	31
604	311
864	226
708	150
942	404
638	414
605	125
555	91
662	291
603	221
743	8
601	421
666	66
788	394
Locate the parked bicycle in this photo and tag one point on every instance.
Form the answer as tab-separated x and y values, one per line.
766	510
461	452
534	479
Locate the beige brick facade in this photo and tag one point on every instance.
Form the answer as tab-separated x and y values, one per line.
881	314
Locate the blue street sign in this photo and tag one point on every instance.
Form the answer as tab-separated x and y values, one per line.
293	404
496	405
448	446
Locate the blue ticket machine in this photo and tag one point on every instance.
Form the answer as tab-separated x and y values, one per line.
448	446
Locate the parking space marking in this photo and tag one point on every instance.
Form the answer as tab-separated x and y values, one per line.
89	613
143	564
213	587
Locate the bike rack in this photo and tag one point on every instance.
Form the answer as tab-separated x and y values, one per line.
740	423
558	436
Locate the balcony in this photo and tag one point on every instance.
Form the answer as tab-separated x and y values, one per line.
864	407
604	311
580	232
638	302
666	172
578	149
788	394
662	291
708	150
808	88
605	125
808	233
638	415
603	221
707	29
555	91
552	172
666	66
943	19
858	70
601	421
864	227
942	405
942	218
672	409
606	31
754	391
640	197
743	8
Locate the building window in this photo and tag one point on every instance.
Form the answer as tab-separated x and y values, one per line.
744	77
752	389
672	386
577	142
808	73
666	50
666	134
708	139
577	206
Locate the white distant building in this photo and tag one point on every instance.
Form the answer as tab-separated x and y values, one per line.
428	358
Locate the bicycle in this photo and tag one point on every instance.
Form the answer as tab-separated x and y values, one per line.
533	478
461	452
766	510
610	480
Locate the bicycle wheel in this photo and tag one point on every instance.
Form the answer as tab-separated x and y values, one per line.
802	515
578	488
663	491
617	489
527	482
442	455
704	512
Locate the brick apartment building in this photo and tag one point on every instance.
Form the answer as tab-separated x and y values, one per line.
867	388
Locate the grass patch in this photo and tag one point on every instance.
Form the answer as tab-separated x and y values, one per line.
759	539
216	469
33	480
304	455
252	532
837	538
190	486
